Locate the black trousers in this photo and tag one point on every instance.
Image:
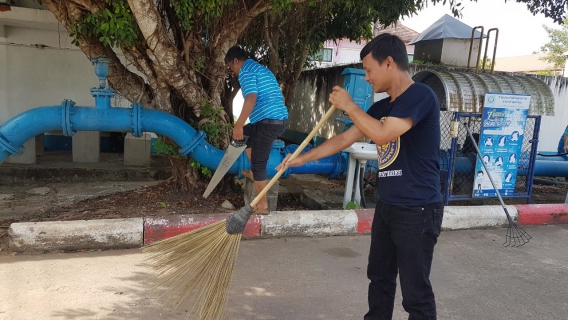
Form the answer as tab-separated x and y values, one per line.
261	137
402	241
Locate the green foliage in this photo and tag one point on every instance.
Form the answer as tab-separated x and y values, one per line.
417	61
113	26
163	147
557	45
488	64
206	172
215	130
200	64
555	9
188	12
544	73
353	205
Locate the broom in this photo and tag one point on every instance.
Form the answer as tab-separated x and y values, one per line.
196	268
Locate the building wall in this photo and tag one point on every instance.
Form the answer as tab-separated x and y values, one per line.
454	52
41	67
36	71
428	51
552	127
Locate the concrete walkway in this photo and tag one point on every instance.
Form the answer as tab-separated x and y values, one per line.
473	275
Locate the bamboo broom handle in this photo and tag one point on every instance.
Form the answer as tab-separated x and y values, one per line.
294	155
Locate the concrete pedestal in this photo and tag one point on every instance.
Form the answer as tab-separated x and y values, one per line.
271	196
29	155
86	146
39	145
137	150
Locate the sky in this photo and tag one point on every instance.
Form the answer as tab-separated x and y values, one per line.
520	33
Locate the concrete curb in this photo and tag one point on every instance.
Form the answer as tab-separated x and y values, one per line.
76	235
534	214
135	232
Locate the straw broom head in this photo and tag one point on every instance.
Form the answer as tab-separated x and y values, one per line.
196	268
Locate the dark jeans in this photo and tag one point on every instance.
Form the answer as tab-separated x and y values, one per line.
261	137
403	240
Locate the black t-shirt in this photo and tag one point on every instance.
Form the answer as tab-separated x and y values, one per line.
409	167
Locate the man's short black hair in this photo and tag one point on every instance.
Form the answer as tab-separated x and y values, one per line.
236	52
385	45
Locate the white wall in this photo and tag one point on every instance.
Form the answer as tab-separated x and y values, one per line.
552	127
453	52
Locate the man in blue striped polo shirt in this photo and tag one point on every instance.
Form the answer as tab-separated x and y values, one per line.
264	106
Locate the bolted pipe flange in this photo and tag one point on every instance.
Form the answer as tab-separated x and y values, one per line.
5	145
193	143
136	120
66	125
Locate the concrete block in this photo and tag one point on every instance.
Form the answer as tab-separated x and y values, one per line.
271	195
161	228
467	217
29	155
535	214
137	150
365	220
86	146
76	235
309	223
40	145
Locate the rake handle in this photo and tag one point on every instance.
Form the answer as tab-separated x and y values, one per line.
294	155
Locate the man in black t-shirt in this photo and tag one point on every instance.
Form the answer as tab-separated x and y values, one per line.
408	216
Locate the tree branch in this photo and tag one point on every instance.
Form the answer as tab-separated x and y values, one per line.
165	56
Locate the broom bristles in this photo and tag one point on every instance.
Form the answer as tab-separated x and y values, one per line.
195	269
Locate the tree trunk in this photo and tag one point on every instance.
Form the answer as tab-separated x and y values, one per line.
183	176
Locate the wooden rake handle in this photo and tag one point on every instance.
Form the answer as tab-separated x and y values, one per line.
294	155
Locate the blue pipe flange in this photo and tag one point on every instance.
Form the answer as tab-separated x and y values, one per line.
66	118
193	143
5	145
137	123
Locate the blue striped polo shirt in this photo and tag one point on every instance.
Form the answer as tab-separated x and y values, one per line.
255	78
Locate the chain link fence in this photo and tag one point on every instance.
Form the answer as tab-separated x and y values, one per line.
458	157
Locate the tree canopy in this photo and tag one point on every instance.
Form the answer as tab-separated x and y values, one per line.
177	47
557	46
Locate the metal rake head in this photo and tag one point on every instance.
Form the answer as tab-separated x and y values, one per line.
516	236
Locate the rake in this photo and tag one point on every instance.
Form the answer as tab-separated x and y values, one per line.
516	235
195	268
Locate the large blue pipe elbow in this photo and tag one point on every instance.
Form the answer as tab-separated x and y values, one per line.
16	131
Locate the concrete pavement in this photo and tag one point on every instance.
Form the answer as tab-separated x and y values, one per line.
473	275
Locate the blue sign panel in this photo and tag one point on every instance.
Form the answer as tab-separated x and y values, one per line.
500	143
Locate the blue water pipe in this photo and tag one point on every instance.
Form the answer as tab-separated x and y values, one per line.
70	118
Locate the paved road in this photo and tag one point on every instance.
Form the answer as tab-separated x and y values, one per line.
301	278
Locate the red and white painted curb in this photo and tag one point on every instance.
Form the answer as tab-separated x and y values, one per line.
136	232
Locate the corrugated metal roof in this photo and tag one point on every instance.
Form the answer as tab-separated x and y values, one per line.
465	91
